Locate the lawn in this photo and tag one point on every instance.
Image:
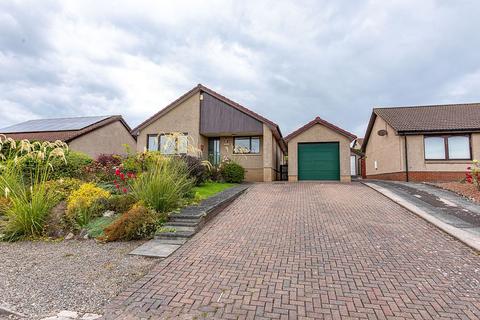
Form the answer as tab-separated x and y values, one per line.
209	189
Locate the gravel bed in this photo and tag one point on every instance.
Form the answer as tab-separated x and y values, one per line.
464	189
40	278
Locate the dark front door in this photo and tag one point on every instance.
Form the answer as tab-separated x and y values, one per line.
318	161
214	151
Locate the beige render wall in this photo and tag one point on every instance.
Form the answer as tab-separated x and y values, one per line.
387	150
319	133
268	151
105	140
183	118
417	162
253	163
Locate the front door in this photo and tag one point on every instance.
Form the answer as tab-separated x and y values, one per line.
214	151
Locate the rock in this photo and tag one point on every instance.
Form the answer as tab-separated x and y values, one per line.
91	316
86	236
67	314
69	236
83	234
108	213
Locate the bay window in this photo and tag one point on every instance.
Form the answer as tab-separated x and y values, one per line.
448	147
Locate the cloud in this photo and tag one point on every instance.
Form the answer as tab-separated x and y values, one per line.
289	61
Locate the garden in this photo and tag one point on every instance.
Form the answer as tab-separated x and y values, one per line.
469	187
51	192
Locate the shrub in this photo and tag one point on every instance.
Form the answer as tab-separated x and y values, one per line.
86	203
137	223
121	203
96	226
164	185
25	186
473	174
73	167
63	187
197	170
232	172
4	205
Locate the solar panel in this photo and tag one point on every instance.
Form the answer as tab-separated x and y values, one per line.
59	124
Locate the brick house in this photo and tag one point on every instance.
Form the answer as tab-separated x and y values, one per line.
422	143
220	128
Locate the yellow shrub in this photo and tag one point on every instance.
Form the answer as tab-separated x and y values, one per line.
83	198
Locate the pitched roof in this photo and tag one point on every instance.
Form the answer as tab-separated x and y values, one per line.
359	141
432	118
200	88
428	119
65	129
322	122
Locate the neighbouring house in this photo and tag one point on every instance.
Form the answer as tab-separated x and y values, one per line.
357	158
218	128
422	143
319	151
357	144
90	135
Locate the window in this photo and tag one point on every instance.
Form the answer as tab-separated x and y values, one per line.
169	144
246	145
447	148
152	142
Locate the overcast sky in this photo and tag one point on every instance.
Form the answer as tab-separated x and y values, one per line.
288	61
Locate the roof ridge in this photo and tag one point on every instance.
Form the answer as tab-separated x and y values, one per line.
428	106
319	120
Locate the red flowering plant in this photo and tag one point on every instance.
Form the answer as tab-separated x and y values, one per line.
123	179
473	174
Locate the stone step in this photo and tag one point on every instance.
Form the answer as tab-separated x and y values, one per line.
179	228
185	222
174	235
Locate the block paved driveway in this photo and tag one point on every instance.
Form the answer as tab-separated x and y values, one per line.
311	250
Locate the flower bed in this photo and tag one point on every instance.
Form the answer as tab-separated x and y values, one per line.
49	191
464	189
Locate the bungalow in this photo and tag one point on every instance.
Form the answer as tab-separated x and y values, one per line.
218	128
422	143
90	135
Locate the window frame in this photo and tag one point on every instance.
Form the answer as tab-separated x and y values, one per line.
159	145
250	145
446	150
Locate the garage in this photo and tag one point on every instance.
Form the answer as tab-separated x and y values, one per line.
319	150
319	161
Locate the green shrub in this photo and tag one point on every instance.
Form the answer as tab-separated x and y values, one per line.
164	185
96	226
73	167
85	204
232	172
25	186
63	187
121	203
137	223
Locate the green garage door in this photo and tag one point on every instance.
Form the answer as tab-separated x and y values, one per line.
318	161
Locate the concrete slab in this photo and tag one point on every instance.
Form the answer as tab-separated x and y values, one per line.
155	248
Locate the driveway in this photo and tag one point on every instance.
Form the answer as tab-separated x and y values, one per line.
311	250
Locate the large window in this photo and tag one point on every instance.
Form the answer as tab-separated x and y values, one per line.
454	147
169	144
246	145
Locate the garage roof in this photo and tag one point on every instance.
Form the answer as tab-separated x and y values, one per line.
322	122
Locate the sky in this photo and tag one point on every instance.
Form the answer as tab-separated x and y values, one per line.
289	61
